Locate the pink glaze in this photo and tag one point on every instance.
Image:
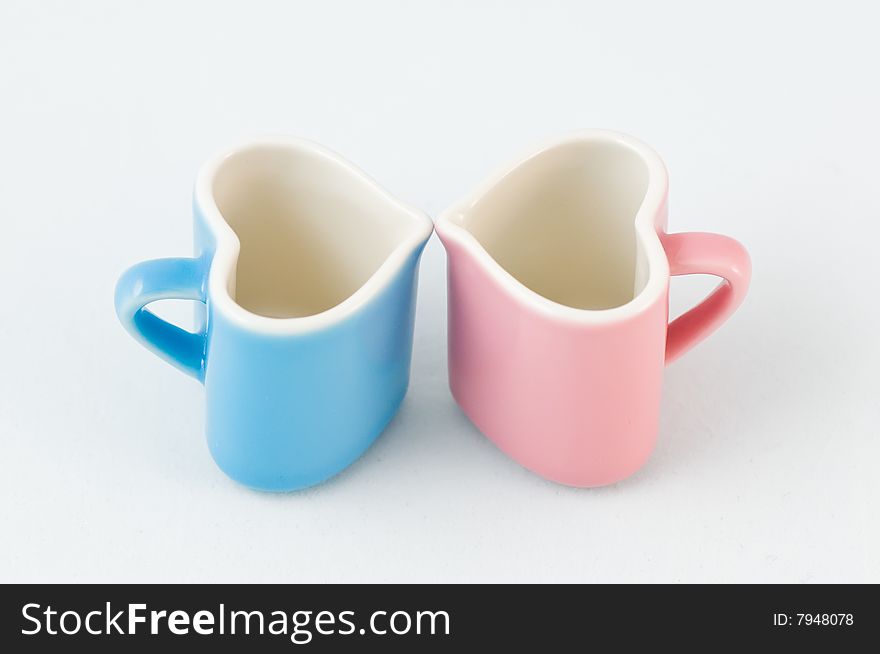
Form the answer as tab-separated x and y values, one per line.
571	393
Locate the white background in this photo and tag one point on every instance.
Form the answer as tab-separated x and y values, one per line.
767	117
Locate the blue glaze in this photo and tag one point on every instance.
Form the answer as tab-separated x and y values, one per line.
288	412
164	279
284	410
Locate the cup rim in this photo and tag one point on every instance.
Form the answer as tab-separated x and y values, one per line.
647	226
228	246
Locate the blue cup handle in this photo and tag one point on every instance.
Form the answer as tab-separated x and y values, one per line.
164	279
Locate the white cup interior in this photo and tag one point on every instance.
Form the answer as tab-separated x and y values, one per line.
563	224
312	231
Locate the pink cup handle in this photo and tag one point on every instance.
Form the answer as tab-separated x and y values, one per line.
695	253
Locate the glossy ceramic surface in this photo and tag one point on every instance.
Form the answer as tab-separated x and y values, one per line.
307	273
559	270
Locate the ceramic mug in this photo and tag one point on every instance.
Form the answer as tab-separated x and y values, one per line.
559	270
307	270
